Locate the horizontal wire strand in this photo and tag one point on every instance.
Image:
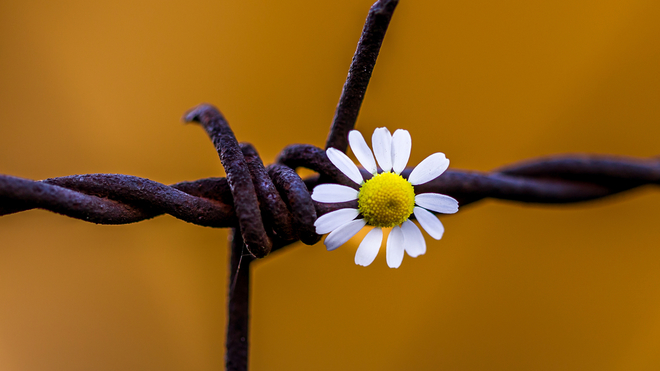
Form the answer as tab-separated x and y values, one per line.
123	199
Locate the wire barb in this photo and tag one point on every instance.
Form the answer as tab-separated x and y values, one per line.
242	189
359	73
257	200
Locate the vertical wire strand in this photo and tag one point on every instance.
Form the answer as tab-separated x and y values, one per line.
238	313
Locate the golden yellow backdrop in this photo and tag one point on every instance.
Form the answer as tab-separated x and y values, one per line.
99	87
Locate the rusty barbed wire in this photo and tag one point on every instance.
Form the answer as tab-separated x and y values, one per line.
285	212
359	73
270	207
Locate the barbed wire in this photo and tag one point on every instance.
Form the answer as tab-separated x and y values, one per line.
270	207
284	212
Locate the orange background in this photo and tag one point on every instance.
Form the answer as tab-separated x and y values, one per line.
99	87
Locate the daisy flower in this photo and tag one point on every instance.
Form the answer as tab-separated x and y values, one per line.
385	200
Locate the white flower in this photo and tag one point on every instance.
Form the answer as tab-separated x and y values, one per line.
385	200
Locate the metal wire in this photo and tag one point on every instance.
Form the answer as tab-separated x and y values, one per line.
271	205
286	211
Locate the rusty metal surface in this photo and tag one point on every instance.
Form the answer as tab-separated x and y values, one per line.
271	205
123	199
238	306
246	204
359	73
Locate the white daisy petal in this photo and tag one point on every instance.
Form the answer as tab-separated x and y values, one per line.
327	223
362	151
401	145
369	247
342	234
334	193
413	240
429	169
437	202
381	141
429	222
344	164
394	251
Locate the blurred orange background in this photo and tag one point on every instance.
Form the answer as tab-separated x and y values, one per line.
99	87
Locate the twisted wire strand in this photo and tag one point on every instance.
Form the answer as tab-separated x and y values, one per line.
286	211
271	204
119	199
272	207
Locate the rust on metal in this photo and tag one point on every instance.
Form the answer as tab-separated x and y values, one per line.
270	207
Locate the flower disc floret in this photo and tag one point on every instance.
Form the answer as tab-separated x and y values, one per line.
386	200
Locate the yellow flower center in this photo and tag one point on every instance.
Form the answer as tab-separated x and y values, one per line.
386	200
